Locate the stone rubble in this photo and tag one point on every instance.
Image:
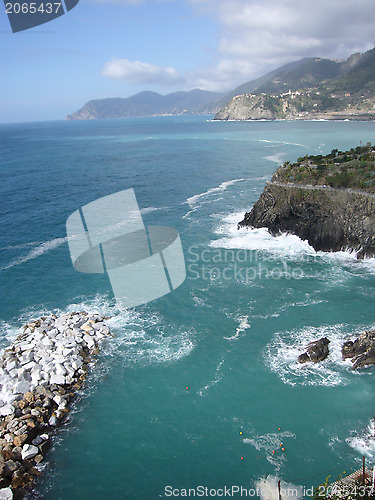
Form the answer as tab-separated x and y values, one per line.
39	375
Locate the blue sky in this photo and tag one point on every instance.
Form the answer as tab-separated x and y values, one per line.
118	48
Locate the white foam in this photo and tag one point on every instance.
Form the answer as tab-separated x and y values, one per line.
281	355
21	245
217	377
242	327
147	210
283	142
200	199
275	158
283	245
141	336
268	489
364	441
257	239
37	251
269	443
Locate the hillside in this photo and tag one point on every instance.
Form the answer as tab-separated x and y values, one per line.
315	89
353	169
311	88
149	104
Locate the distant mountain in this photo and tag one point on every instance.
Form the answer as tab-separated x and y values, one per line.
150	103
317	86
255	86
314	89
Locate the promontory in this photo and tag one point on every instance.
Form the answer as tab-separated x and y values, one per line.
327	200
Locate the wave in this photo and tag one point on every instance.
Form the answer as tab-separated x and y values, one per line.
271	445
147	210
140	337
243	326
283	142
364	441
281	355
257	239
222	187
275	158
20	246
200	199
218	376
37	251
268	489
283	245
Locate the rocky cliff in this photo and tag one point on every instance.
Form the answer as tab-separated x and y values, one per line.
329	219
304	105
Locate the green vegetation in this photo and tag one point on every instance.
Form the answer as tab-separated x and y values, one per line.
353	169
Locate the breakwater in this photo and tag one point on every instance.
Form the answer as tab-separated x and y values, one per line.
40	373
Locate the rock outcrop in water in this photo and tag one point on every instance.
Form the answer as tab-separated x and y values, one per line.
315	352
329	219
39	375
362	350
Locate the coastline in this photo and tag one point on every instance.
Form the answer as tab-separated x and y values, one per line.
40	374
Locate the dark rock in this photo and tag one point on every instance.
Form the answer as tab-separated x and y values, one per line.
44	447
316	351
361	351
17	453
10	466
329	219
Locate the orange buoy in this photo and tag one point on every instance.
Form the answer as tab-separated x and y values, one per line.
273	451
187	388
280	445
241	458
283	449
279	429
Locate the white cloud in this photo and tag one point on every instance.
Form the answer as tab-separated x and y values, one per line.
255	36
259	35
134	2
140	72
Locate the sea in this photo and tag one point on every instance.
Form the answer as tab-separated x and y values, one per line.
199	392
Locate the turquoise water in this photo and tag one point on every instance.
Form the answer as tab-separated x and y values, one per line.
231	333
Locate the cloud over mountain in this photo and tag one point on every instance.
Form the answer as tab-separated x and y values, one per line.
140	72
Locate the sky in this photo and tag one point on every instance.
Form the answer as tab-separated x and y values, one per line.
117	48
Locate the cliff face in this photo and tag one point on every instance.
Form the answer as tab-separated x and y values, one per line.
296	106
330	219
255	107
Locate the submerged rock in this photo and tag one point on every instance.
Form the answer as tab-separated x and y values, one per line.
315	352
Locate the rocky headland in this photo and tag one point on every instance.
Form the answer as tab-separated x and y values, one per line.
293	106
40	374
328	201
